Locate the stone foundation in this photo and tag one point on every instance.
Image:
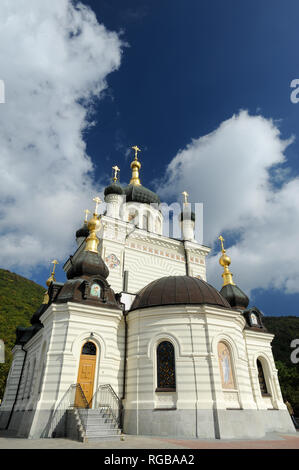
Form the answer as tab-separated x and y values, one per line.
207	424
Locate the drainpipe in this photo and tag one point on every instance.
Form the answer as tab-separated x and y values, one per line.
18	389
124	257
186	258
195	378
125	355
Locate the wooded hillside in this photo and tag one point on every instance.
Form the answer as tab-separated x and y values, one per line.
19	298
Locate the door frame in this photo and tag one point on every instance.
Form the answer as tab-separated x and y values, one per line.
98	353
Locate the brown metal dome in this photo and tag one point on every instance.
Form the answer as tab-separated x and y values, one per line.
178	290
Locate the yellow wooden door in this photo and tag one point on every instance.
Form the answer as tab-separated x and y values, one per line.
86	375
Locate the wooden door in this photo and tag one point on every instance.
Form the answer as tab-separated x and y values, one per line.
86	372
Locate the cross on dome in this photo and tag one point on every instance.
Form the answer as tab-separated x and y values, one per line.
98	201
116	171
137	149
186	195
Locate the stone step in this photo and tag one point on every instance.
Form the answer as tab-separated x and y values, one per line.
102	426
98	424
101	434
98	421
102	438
95	413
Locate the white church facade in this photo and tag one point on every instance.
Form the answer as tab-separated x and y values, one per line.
136	340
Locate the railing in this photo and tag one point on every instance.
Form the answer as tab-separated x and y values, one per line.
105	399
73	398
78	399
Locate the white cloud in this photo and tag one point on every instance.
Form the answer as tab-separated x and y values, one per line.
54	58
237	172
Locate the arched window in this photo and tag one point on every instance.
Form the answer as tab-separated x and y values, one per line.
158	225
26	381
42	367
145	221
30	388
261	376
165	367
89	349
225	365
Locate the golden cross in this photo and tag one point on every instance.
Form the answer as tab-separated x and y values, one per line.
98	201
186	195
54	262
137	149
116	171
86	214
221	241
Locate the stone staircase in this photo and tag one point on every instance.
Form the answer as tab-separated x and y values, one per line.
97	424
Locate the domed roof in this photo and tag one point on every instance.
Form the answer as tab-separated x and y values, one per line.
114	188
138	193
178	290
235	296
87	263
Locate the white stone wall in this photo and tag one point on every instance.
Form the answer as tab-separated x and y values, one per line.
195	332
71	325
147	256
258	346
13	379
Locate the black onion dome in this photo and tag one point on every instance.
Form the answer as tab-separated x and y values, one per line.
83	232
88	263
114	188
235	296
136	193
178	290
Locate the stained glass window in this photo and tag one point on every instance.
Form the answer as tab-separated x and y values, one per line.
165	366
262	381
89	349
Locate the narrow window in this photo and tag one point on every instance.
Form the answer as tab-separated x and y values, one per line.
30	389
261	376
165	367
26	381
145	221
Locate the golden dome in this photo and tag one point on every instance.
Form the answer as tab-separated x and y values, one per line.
135	165
93	225
225	262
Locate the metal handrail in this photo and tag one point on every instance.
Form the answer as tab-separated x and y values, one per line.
79	400
73	398
106	399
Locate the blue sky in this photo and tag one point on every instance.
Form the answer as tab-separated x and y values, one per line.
186	68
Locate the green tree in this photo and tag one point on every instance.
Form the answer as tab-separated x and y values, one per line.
19	299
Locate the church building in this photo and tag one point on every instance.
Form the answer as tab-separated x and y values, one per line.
136	341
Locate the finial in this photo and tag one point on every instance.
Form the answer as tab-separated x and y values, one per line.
98	201
93	226
49	281
225	262
221	241
135	165
137	149
186	195
55	262
116	171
